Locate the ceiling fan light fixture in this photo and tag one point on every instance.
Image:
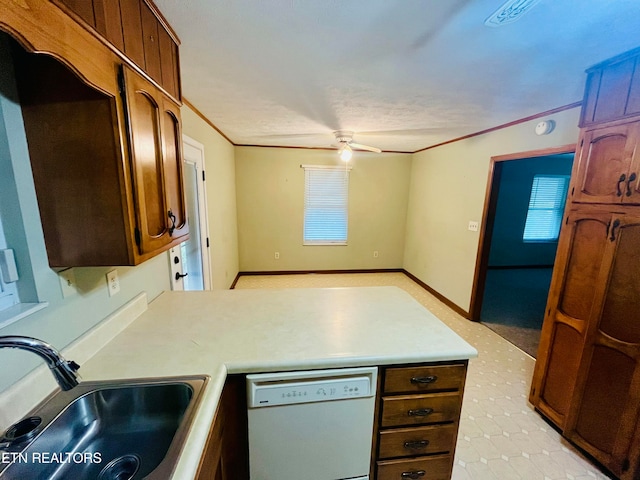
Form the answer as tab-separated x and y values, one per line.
345	153
511	11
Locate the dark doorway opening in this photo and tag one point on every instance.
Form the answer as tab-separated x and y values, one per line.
513	274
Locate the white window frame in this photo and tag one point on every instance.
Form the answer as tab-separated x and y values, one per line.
326	189
546	208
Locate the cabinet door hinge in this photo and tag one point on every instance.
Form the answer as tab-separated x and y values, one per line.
136	234
203	177
207	242
121	81
582	142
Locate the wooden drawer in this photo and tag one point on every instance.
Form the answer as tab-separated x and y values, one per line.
424	379
420	409
437	467
409	442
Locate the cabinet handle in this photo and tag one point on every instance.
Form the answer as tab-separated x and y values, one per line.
622	178
420	412
632	178
416	444
172	217
616	224
424	380
413	474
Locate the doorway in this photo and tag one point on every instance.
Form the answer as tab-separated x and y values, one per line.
190	261
514	267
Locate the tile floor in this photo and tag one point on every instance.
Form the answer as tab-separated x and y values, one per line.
501	437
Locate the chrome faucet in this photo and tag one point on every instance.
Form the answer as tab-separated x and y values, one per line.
63	370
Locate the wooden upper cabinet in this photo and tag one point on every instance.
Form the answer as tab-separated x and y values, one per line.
613	90
135	28
608	166
156	152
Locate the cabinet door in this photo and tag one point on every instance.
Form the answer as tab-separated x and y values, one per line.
604	171
132	31
109	21
144	109
581	249
606	406
173	169
150	42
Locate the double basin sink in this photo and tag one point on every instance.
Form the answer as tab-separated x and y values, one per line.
125	430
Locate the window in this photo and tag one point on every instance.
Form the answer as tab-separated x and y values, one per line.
546	205
8	290
326	192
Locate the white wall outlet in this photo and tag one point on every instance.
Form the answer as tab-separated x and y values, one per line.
113	282
68	282
473	226
375	254
276	255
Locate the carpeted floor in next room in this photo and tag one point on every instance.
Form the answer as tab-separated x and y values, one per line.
513	304
501	437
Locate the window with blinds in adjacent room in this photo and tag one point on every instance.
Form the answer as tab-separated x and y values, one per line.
546	206
326	195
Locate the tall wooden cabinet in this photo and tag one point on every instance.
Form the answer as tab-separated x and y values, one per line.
587	376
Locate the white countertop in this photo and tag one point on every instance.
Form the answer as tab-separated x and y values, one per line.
241	331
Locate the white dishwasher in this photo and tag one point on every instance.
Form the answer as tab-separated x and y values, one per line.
311	425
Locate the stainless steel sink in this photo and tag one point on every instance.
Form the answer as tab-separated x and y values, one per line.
124	430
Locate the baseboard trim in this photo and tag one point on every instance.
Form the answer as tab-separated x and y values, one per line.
439	296
518	267
429	289
318	272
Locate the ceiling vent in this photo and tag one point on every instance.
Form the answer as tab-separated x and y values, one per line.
510	12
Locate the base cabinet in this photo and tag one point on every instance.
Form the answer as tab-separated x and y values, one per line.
226	454
415	429
417	422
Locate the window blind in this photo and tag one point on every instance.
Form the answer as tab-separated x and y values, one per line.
546	206
326	195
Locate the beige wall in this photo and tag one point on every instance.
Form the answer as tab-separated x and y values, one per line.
221	197
270	185
448	187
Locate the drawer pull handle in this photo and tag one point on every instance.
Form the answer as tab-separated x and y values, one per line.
420	412
424	380
413	474
416	444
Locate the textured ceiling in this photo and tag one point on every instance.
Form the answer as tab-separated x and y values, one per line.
402	74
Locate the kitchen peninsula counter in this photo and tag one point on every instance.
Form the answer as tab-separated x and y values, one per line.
245	331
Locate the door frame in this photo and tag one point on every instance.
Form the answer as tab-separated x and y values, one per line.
193	152
488	218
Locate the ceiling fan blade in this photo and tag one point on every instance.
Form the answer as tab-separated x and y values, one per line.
364	147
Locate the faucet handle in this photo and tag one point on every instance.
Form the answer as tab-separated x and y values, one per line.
73	365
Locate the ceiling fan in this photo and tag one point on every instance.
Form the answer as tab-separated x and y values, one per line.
346	145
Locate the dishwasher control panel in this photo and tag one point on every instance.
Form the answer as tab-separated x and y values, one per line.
266	390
